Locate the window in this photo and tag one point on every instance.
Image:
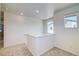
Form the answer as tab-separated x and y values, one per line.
70	21
50	27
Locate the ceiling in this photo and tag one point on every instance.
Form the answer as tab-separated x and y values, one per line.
45	10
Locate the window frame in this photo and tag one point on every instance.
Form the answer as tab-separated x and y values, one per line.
71	21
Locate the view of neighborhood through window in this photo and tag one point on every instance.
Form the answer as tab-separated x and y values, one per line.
50	27
70	21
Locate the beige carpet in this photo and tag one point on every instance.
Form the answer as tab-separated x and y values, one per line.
18	50
21	50
57	52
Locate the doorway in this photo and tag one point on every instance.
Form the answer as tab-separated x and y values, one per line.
1	29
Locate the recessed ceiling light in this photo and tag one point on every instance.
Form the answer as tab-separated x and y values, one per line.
37	11
21	13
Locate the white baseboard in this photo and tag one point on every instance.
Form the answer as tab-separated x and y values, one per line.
46	50
10	45
66	50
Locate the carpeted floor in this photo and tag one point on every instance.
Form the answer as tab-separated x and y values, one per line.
21	50
57	52
1	43
18	50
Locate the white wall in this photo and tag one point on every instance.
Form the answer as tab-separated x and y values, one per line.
32	44
45	43
15	26
67	39
41	44
45	26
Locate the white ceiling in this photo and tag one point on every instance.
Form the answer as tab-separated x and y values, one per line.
46	10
